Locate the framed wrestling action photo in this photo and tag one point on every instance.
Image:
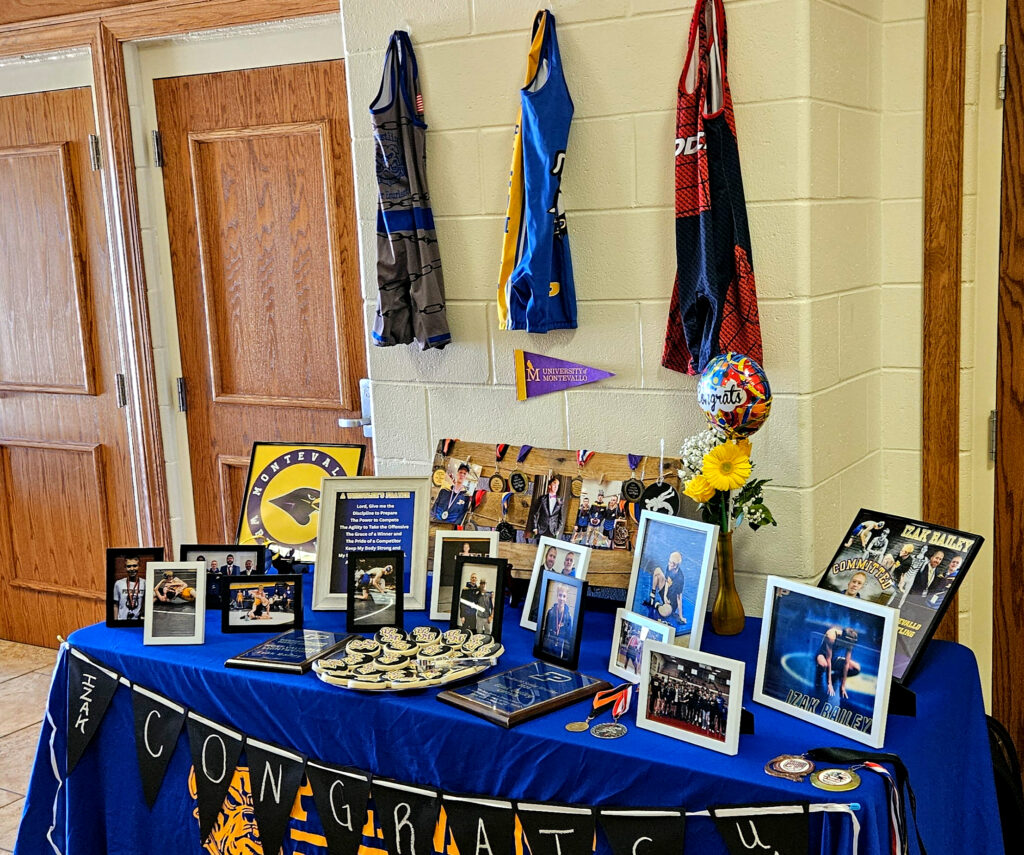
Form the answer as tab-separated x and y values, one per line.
558	556
690	695
479	595
371	515
375	596
126	583
671	573
223	559
910	565
826	658
560	624
449	545
262	603
630	635
175	603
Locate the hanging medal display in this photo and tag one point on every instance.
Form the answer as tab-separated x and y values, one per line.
661	497
601	702
474	503
517	480
633	488
506	531
582	459
612	729
497	480
440	473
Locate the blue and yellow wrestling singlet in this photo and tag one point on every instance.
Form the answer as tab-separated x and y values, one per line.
536	291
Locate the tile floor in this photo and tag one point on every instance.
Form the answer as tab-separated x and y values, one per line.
24	684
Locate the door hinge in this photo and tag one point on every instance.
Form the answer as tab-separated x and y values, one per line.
121	389
182	396
94	152
993	421
1002	72
158	149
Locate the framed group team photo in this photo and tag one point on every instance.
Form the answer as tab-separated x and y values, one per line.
448	546
371	515
692	696
826	658
127	585
556	556
175	603
560	619
671	573
375	595
479	601
224	559
630	635
260	603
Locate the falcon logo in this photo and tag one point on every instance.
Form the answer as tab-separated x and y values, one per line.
299	504
690	145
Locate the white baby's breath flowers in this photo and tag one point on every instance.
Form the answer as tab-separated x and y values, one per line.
694	448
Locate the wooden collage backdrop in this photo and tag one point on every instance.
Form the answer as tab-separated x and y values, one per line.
608	567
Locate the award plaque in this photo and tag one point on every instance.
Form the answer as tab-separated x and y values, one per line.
292	652
515	696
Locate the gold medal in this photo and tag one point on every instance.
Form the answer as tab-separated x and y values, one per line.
835	780
496	483
439	476
577	726
576	487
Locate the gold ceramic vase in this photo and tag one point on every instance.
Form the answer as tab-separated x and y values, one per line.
727	613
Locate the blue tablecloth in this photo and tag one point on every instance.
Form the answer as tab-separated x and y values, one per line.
414	738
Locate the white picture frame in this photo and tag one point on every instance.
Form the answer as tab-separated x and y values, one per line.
562	549
623	653
402	501
791	677
693	669
175	608
441	540
658	538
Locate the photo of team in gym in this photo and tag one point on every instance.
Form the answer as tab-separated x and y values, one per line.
688	696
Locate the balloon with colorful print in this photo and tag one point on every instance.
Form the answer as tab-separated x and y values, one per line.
734	393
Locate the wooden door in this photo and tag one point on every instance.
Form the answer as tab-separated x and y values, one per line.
66	489
1008	552
261	220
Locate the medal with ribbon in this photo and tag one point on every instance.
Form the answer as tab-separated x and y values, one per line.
620	706
439	475
517	480
661	497
474	503
506	531
582	459
497	480
633	488
601	702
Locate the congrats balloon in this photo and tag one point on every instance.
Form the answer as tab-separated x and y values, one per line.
734	393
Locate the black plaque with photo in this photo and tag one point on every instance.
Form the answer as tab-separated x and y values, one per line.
560	620
126	583
260	603
478	601
375	594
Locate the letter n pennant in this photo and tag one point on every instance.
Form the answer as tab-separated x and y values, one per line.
773	828
91	687
158	723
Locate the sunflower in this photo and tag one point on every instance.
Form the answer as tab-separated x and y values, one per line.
726	467
698	489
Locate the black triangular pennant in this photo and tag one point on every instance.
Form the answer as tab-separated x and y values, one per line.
274	778
340	795
781	829
91	687
158	723
552	829
215	751
480	825
631	830
407	815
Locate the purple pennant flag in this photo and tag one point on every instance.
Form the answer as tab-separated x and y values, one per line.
537	374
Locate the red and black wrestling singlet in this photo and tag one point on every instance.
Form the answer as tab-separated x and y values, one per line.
714	301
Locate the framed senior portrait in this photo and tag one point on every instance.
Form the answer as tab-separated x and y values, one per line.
223	559
371	515
693	696
175	603
126	583
375	596
448	545
259	603
630	635
826	658
560	627
479	595
558	556
671	573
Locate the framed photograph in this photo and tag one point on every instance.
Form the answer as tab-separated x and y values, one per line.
630	635
263	603
547	514
479	593
560	628
375	596
281	503
598	514
455	496
558	556
126	583
691	695
448	545
223	559
371	515
910	565
175	603
826	658
671	573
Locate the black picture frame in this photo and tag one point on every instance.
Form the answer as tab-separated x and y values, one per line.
116	558
203	551
229	587
552	645
362	566
494	571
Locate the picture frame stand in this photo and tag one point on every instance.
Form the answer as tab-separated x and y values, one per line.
902	701
746	722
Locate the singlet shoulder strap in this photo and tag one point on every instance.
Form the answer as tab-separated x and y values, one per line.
389	77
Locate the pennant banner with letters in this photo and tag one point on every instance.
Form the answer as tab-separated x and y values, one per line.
557	829
215	752
91	687
636	830
781	829
480	825
275	775
537	374
158	724
406	815
340	795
